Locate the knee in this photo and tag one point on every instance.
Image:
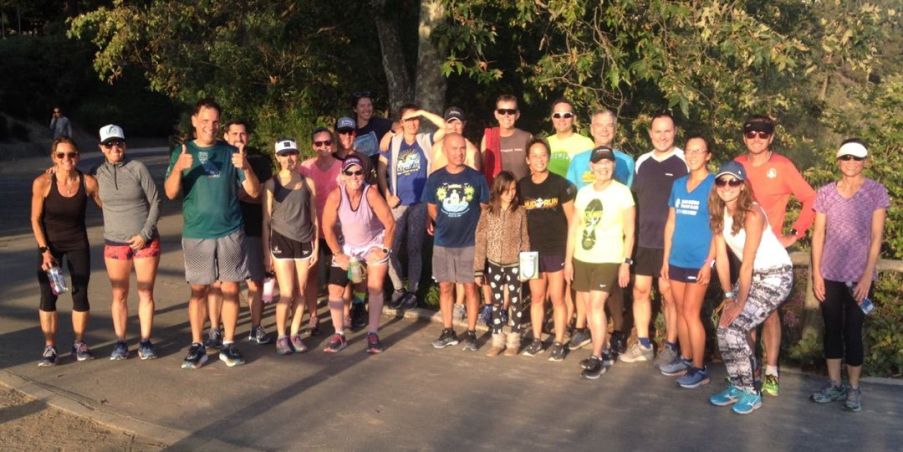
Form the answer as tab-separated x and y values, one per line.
80	304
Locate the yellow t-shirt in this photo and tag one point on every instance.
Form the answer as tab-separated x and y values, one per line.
601	228
563	150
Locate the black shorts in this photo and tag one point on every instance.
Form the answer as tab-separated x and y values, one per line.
283	247
648	262
590	277
550	262
682	274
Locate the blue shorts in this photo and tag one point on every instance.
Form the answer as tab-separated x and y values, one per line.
682	274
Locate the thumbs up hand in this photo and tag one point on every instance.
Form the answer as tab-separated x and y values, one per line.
240	158
185	160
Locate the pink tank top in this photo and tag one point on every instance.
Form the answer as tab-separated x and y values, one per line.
359	226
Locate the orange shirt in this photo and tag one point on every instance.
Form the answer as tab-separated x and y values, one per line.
772	183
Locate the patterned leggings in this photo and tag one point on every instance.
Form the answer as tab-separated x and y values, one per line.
768	290
499	277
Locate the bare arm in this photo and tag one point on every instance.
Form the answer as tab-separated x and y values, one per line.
39	189
382	212
381	172
385	141
865	281
629	239
574	221
266	208
669	233
93	192
818	247
173	184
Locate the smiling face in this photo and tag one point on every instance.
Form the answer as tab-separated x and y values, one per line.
288	161
538	158
697	154
65	156
455	150
851	168
113	150
363	109
237	134
506	119
603	170
206	125
728	188
353	176
322	143
563	117
602	128
454	126
346	139
756	143
661	133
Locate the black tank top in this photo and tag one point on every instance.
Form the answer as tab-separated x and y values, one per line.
64	218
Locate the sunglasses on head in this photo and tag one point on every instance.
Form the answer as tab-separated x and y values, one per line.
565	115
70	155
354	173
848	157
721	182
323	143
111	143
506	111
757	133
360	94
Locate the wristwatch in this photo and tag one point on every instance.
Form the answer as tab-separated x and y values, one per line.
793	232
628	261
386	250
730	295
43	249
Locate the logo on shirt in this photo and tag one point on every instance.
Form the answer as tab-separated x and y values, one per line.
772	173
591	218
455	199
687	207
210	167
408	163
541	203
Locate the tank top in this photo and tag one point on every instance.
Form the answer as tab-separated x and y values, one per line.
63	218
359	226
291	212
770	253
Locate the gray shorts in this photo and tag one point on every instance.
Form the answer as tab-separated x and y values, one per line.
220	259
254	248
453	264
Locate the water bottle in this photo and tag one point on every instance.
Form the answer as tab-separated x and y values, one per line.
866	306
355	271
269	286
57	280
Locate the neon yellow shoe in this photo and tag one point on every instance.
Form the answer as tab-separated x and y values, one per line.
771	385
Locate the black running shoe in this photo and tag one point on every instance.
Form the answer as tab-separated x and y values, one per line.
533	349
470	341
197	356
409	301
214	338
447	338
557	352
359	316
230	355
49	357
594	368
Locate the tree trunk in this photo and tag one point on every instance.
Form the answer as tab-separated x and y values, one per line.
397	78
430	85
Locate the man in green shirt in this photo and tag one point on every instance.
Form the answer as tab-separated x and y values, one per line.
207	173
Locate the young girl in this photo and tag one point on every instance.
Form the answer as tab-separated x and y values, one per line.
766	275
500	238
290	240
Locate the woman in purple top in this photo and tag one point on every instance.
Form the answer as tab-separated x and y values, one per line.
358	228
846	242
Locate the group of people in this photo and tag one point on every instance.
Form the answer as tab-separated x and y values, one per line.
519	221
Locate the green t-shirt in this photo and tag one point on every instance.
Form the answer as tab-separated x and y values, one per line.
209	191
601	231
563	150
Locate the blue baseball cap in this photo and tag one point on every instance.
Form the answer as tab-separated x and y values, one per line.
733	168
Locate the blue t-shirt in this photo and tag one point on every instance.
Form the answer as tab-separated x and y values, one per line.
692	234
458	198
411	172
581	175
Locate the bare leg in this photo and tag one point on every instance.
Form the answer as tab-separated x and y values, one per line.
118	271
146	272
230	309
771	338
670	310
215	304
285	276
197	310
642	304
446	303
558	293
49	320
302	268
538	304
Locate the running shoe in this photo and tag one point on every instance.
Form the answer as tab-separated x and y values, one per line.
81	352
214	338
533	349
694	378
726	397
829	393
230	355
197	356
636	353
396	299
666	356
284	346
608	358
336	343
854	400
748	402
146	350
618	343
771	385
48	358
120	351
447	338
298	344
409	301
259	335
359	316
580	338
594	368
557	352
469	339
373	345
675	368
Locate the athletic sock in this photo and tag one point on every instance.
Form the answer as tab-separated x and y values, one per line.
771	370
645	342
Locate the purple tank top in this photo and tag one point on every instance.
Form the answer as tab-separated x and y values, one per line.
359	226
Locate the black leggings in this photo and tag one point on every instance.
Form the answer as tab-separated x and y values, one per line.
79	261
843	324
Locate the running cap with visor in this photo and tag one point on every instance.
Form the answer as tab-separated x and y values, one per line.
111	132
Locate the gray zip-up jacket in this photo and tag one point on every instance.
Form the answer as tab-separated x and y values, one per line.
131	203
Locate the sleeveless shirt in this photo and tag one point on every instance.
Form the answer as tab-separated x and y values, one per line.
291	212
63	218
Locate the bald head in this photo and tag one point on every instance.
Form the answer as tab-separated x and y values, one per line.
455	147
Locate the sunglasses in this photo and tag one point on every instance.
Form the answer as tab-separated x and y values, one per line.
345	132
506	111
323	143
112	143
287	153
721	182
71	155
354	173
848	157
753	133
565	115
